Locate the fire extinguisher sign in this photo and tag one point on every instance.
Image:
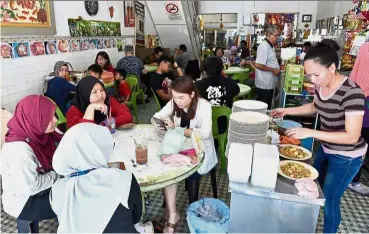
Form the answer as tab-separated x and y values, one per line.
173	10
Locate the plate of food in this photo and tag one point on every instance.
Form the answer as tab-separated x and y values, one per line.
289	140
294	152
126	126
295	170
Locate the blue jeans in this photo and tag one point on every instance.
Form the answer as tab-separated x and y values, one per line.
335	174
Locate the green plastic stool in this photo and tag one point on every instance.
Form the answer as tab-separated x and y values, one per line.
158	106
218	111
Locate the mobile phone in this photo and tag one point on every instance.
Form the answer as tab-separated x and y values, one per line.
160	122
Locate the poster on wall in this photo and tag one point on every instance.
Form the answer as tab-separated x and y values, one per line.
25	14
129	15
91	28
140	23
173	10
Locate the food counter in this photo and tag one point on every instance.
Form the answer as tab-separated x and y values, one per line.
282	210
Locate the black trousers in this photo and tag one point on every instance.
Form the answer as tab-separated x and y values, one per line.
365	135
37	208
265	95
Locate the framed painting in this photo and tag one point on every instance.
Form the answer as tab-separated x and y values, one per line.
27	17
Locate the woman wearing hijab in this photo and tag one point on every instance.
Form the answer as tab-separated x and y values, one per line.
93	198
360	75
91	104
26	158
58	88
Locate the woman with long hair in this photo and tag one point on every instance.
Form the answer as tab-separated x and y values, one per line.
188	110
340	104
103	60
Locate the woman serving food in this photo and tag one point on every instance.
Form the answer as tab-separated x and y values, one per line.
340	104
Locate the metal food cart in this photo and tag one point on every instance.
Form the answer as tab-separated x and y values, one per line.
282	210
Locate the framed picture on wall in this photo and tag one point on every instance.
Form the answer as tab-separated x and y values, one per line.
306	18
27	18
25	14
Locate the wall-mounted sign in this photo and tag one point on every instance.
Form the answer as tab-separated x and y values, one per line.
173	10
140	25
129	15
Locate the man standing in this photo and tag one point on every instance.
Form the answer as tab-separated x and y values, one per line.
267	67
182	57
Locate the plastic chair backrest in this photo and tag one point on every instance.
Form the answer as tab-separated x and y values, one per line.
241	76
218	111
59	113
156	100
132	82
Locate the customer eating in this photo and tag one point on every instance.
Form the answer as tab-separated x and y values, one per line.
91	104
58	87
26	168
95	71
219	53
340	104
193	113
93	198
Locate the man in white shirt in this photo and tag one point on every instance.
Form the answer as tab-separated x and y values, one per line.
267	67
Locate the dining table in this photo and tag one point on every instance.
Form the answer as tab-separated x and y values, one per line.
150	68
235	70
244	90
153	175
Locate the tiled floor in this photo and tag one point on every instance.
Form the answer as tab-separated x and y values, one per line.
354	208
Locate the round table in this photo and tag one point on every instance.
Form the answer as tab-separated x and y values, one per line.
235	70
155	174
244	89
150	68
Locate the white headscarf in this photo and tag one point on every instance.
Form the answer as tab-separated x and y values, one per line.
86	203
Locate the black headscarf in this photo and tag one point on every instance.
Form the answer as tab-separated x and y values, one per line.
81	99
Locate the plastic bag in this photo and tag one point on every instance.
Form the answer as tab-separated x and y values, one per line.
208	215
172	142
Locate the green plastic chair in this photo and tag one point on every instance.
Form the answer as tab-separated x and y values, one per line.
59	113
158	106
139	91
241	77
132	103
218	111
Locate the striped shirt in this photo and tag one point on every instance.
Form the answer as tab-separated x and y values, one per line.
347	100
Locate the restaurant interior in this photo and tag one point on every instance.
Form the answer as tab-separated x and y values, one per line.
259	166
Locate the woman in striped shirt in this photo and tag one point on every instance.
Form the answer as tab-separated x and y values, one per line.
340	105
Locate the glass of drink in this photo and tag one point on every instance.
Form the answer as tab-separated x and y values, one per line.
141	151
110	123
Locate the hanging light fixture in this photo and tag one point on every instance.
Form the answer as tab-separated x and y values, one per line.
221	21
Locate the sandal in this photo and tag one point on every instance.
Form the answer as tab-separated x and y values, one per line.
171	225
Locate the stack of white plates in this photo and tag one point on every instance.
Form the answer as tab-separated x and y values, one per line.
249	105
247	127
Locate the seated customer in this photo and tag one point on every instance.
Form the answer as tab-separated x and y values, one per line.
153	59
58	88
193	113
132	64
160	80
93	198
218	90
124	92
91	104
26	169
219	53
103	60
95	71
